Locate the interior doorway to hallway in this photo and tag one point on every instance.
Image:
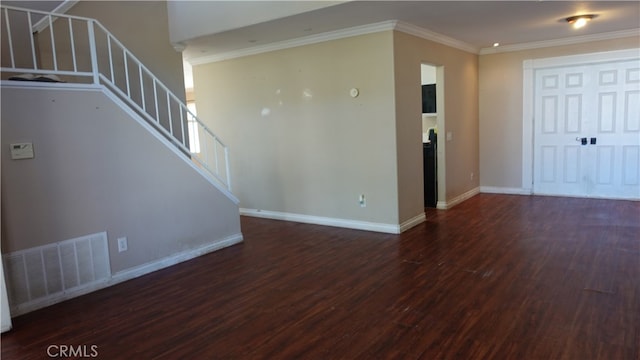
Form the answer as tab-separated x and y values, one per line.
432	84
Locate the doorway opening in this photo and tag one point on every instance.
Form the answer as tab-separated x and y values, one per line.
432	120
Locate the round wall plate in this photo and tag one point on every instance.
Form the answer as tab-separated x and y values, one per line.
354	92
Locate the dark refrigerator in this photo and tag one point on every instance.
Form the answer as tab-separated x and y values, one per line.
430	170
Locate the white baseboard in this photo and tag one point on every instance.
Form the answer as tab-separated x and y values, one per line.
588	197
416	220
129	274
175	259
54	299
327	221
444	205
504	190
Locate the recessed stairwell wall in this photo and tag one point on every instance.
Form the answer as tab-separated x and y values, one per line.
97	169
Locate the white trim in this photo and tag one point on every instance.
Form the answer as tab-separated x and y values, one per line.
589	197
60	9
411	30
527	124
287	44
47	85
528	93
504	190
416	220
436	37
57	298
129	274
441	205
175	259
445	205
336	35
327	221
561	42
583	59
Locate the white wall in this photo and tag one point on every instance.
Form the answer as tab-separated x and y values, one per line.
96	169
427	74
301	144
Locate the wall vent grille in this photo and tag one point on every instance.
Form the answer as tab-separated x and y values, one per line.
47	272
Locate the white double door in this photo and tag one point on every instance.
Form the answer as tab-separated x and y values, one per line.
587	130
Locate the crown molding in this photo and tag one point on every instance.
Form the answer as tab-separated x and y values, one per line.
287	44
411	30
335	35
436	37
561	42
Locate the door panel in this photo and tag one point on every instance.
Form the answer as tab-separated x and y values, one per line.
572	163
559	111
573	114
631	165
617	130
548	156
604	165
632	111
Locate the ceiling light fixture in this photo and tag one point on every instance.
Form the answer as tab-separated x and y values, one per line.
579	21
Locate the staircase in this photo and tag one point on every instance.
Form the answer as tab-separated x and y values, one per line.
118	157
55	48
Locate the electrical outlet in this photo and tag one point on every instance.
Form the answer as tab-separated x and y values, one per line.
472	176
122	244
362	201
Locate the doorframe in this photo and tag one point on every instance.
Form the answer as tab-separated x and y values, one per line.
441	169
440	150
528	92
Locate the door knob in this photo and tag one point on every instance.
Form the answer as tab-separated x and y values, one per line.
583	140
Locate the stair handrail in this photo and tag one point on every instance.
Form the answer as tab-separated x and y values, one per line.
205	152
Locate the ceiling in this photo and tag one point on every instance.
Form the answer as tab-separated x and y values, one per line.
234	26
475	24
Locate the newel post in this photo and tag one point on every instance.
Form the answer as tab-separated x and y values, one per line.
93	51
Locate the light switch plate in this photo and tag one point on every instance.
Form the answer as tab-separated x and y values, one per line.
21	151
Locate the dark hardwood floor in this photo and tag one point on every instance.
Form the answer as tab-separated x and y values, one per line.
496	277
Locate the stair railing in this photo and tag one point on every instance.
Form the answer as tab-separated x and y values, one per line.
81	50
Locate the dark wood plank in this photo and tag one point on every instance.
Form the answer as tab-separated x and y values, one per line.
497	277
